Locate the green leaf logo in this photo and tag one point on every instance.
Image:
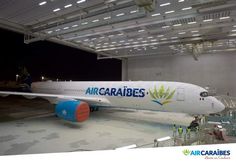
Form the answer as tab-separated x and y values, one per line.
186	152
161	96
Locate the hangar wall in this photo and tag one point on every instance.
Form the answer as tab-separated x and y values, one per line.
213	70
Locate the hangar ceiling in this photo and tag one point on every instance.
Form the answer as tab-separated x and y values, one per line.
126	28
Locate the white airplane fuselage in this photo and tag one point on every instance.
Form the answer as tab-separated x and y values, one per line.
143	95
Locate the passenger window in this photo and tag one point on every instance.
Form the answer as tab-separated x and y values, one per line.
204	94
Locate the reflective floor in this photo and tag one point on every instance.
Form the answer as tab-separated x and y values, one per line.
30	127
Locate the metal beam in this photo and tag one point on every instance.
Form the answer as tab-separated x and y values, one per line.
63	19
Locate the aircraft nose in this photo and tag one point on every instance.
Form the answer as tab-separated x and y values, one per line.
218	106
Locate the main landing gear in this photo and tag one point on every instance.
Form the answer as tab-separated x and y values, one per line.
92	109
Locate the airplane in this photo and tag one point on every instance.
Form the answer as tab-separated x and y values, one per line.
75	100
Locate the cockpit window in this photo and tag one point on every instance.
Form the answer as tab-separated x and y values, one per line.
204	94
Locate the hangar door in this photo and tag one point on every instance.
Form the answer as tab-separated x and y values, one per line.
180	94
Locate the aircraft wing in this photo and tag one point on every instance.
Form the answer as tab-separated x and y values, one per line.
54	98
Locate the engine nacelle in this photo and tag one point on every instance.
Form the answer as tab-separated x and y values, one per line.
75	111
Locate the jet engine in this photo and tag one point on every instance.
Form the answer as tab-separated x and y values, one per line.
75	111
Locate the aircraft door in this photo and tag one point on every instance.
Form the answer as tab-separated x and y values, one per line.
180	94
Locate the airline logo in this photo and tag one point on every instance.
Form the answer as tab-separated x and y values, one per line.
161	96
123	92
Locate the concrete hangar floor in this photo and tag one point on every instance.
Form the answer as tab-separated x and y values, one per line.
30	127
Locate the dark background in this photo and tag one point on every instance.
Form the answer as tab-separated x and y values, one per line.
53	61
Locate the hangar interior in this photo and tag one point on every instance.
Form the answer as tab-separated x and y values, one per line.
173	40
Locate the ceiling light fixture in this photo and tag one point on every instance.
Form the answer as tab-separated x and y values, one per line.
121	14
95	20
182	33
105	18
226	17
42	3
84	23
157	14
164	27
80	1
177	25
165	4
187	8
196	35
67	6
74	26
134	11
141	31
207	20
57	9
190	23
168	12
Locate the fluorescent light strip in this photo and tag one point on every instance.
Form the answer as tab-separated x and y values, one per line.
157	14
194	22
95	20
80	1
234	30
134	11
207	20
165	4
164	27
121	14
57	9
159	36
181	1
84	23
105	18
177	25
141	31
67	6
194	31
168	12
234	26
196	35
223	18
65	28
182	33
187	8
164	39
57	30
75	26
42	3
